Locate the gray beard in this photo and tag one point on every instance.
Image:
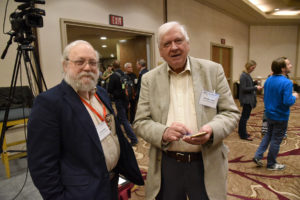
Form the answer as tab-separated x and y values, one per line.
78	85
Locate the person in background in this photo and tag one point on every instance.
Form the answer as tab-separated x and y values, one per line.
101	71
122	103
76	149
278	98
247	98
286	73
108	72
173	106
142	68
131	90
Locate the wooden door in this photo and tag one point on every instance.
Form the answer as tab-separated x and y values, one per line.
223	55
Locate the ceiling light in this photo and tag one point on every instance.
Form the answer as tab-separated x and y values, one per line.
287	12
122	41
103	38
260	5
276	9
112	55
104	46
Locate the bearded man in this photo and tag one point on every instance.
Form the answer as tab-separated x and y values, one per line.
76	149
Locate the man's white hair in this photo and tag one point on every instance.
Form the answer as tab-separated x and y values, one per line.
163	29
66	52
127	65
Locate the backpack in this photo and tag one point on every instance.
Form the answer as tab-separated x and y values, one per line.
127	85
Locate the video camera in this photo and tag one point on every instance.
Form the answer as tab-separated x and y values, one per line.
24	19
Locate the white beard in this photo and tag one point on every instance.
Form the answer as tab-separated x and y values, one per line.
85	81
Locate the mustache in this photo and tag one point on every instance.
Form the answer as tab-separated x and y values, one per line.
88	74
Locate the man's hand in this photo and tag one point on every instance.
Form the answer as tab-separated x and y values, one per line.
259	87
295	94
175	132
202	139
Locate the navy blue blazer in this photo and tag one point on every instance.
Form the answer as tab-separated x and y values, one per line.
65	156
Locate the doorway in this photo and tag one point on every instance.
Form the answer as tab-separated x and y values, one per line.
223	55
126	45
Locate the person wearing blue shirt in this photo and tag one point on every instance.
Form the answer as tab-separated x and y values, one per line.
278	97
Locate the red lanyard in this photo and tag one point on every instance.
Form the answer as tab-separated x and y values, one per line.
93	109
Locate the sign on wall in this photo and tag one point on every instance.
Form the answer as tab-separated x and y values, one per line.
115	20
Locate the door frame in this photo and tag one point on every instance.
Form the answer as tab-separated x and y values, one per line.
149	35
231	59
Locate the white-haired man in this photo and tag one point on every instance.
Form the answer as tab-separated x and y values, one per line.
182	97
76	148
131	89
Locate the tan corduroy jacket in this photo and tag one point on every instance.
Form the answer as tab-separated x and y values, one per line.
151	117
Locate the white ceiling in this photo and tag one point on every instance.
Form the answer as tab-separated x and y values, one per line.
245	11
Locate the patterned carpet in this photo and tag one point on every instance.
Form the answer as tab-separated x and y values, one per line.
245	180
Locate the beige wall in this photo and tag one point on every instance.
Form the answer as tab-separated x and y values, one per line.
205	26
270	42
297	64
138	14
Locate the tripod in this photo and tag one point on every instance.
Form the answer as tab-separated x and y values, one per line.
22	51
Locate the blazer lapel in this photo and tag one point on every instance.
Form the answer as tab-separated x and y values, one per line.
198	78
81	114
163	87
105	100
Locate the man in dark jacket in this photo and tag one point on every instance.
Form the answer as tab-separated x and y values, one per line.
76	149
131	90
142	67
117	92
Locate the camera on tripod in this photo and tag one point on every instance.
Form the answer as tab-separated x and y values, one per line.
24	19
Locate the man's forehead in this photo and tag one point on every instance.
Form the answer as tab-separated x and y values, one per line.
82	50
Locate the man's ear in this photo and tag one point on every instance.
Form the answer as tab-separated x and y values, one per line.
65	65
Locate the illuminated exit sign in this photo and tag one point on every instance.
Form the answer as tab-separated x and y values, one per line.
115	20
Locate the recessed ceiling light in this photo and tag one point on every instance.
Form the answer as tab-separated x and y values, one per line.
112	55
103	38
104	46
122	41
287	12
260	5
276	9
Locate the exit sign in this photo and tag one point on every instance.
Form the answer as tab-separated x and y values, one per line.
223	41
115	20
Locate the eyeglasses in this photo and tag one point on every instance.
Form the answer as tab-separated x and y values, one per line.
82	63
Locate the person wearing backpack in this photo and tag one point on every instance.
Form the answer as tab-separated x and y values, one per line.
116	88
130	88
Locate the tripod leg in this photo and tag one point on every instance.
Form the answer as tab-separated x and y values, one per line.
37	75
10	97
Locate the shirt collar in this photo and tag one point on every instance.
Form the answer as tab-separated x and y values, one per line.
186	69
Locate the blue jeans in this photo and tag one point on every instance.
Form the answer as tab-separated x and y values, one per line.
273	137
122	117
243	121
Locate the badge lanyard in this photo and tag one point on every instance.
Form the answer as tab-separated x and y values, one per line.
93	109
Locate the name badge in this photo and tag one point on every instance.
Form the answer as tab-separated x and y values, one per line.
102	130
209	99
